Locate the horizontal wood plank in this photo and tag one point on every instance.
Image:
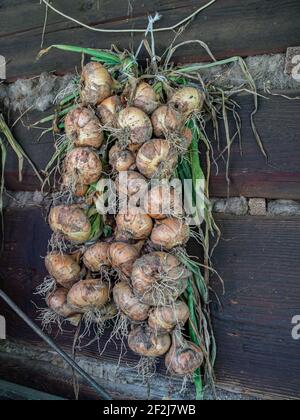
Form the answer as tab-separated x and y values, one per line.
250	174
259	262
230	28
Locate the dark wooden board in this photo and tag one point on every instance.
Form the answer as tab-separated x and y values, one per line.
229	27
258	259
251	175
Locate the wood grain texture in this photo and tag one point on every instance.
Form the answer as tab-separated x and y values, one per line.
250	174
229	27
258	259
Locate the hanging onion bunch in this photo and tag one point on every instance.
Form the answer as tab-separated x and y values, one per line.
143	132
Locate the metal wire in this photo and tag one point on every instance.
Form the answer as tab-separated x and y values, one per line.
100	391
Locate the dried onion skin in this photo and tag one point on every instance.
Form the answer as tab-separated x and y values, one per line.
127	302
143	341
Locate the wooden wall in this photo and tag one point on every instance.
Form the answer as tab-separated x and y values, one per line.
258	257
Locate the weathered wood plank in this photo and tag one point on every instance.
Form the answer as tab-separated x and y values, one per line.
230	28
259	261
251	175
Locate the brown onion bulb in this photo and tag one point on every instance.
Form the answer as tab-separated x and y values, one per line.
83	165
166	318
72	222
134	224
89	294
184	357
108	111
145	342
83	128
157	159
122	256
158	279
121	160
145	98
97	256
78	189
131	184
129	304
63	268
166	120
96	84
187	100
57	302
163	201
136	124
170	232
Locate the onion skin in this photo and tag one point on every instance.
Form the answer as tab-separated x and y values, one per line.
121	160
77	189
96	84
145	342
134	224
70	221
83	128
83	165
97	256
163	201
187	101
145	98
166	120
169	233
90	294
162	270
57	302
137	123
157	159
129	304
122	256
184	357
63	268
166	318
136	184
108	111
